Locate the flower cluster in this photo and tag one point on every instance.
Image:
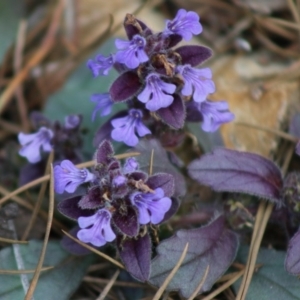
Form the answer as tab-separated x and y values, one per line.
119	201
63	138
158	83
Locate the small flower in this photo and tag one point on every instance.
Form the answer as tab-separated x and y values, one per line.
214	114
67	177
72	121
184	24
32	144
104	104
119	180
101	65
100	231
197	82
124	128
132	52
130	165
156	93
151	206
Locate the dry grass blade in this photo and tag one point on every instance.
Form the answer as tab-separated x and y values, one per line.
108	286
172	274
250	267
36	275
224	286
151	162
279	133
18	272
200	285
39	55
40	198
117	283
94	250
9	241
47	177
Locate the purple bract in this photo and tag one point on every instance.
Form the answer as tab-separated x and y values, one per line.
34	142
124	128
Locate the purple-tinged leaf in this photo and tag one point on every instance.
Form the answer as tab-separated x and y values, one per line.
30	172
193	113
298	148
70	208
240	172
138	175
93	199
125	218
125	87
193	55
161	163
173	40
212	245
164	181
136	256
73	247
104	153
173	115
132	27
292	260
104	132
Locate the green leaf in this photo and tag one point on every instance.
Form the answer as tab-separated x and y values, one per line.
58	283
10	15
74	98
271	281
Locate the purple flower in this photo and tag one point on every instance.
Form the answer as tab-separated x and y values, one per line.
214	114
184	24
67	177
72	121
100	231
130	165
104	104
119	180
197	82
132	52
32	144
124	128
155	93
101	65
151	206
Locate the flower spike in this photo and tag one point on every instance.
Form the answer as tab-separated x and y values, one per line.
124	128
131	53
34	142
100	232
67	177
